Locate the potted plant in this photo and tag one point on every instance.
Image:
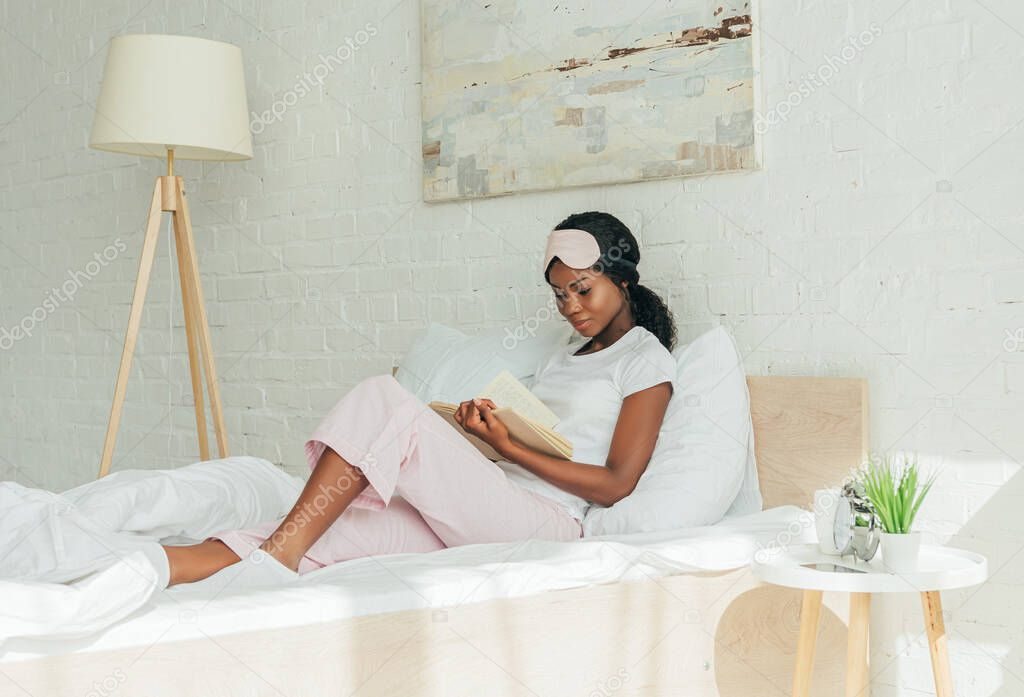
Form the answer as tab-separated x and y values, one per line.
895	492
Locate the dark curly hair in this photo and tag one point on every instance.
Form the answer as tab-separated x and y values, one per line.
648	309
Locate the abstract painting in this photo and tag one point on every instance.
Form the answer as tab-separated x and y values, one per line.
525	95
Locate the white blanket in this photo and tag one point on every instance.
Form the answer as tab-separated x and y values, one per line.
238	492
74	563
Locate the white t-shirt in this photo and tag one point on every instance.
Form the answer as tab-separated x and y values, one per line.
586	393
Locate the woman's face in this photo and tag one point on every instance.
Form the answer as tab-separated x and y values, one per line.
588	299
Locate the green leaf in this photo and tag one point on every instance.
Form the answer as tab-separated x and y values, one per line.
894	491
920	499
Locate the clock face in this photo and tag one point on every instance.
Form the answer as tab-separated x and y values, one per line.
843	528
861	541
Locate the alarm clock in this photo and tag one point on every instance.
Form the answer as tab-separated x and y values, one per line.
850	538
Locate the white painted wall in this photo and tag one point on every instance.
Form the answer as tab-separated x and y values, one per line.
884	239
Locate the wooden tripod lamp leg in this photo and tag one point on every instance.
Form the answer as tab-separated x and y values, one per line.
202	325
132	333
188	302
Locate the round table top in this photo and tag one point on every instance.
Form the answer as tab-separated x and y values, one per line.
938	568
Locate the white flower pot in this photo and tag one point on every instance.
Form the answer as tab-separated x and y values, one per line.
900	551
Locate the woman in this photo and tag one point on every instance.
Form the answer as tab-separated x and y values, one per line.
390	475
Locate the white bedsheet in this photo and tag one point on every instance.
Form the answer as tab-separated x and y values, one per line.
229	602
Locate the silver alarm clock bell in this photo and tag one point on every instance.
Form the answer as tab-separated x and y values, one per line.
850	538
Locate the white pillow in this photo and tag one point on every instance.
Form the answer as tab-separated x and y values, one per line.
448	365
703	466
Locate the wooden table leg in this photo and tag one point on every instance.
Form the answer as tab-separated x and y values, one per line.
937	643
810	610
857	678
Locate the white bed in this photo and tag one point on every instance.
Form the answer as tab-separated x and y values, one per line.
659	613
445	579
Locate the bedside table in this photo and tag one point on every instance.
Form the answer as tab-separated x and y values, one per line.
939	569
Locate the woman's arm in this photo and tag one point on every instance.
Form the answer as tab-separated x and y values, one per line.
636	432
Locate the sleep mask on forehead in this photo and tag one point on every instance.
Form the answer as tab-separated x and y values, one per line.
577	249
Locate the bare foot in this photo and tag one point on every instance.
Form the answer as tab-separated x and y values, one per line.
192	563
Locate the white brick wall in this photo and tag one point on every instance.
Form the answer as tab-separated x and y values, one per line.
884	238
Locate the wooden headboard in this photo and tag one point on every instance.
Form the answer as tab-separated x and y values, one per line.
809	433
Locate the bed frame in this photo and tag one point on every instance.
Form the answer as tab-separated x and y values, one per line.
700	635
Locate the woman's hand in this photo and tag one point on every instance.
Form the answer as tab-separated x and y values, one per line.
476	416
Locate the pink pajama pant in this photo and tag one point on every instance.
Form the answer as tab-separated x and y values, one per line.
429	488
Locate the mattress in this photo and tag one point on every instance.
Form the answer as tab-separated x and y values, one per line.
226	604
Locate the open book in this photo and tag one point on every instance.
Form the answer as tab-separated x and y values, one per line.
527	419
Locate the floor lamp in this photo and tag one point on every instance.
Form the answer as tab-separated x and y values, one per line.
173	97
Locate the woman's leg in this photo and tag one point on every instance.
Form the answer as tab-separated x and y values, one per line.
403	447
328	492
190	563
333	484
380	440
357	533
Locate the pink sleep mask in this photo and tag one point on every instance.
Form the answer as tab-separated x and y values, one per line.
577	249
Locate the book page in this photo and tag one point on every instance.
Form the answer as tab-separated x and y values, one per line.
506	391
520	429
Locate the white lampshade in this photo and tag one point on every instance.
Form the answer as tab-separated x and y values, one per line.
177	92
